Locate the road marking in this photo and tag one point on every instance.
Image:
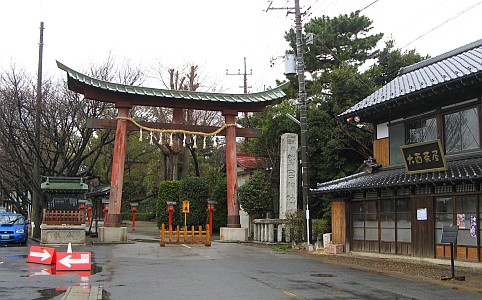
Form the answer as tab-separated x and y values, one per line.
200	252
292	295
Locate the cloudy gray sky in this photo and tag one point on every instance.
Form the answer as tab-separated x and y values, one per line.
215	34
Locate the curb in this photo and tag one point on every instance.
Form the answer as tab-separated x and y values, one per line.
82	293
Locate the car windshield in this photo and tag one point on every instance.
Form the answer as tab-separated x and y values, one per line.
11	219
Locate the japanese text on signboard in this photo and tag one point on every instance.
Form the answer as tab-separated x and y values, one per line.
423	157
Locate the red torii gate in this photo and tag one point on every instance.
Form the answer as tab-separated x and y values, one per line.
125	97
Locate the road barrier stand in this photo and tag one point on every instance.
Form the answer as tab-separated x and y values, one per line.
185	236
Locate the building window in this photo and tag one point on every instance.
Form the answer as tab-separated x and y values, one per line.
358	221
462	130
387	220
466	210
404	221
371	223
421	131
382	220
443	216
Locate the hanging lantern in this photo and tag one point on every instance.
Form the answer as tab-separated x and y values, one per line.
140	135
170	140
150	139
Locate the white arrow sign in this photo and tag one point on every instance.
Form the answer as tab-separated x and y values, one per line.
43	255
68	261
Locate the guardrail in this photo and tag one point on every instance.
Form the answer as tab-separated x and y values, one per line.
270	230
185	236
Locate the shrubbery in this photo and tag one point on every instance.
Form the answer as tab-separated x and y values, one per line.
256	195
168	191
295	224
220	215
197	191
140	216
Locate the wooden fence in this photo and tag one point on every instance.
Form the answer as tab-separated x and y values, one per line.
60	217
185	236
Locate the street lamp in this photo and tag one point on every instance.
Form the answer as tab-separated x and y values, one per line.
89	205
105	201
170	210
210	209
134	206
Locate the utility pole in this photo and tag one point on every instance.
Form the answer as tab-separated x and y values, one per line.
245	76
245	88
36	207
300	70
300	63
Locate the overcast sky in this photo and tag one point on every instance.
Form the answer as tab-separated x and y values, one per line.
214	34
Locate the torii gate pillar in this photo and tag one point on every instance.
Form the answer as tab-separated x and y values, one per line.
118	161
233	232
231	174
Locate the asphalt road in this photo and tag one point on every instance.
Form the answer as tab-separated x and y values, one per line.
144	270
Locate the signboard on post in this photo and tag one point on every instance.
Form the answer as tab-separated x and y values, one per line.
185	206
424	157
41	255
449	235
75	261
185	210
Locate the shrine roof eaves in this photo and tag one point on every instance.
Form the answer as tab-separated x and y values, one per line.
92	88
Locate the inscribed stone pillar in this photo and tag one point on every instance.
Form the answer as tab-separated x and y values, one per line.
288	174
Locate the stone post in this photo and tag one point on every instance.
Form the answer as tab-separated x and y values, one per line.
288	174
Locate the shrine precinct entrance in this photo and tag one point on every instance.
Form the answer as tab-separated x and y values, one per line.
125	97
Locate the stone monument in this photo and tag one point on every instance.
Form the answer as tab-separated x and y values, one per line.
288	174
264	229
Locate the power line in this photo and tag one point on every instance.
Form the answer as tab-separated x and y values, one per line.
445	22
245	76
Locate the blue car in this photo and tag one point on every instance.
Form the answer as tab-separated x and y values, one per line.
13	229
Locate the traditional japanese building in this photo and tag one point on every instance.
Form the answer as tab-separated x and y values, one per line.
427	171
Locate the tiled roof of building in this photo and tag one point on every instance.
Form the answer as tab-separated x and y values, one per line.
460	65
250	162
464	169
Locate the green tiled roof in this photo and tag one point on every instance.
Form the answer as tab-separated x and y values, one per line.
78	81
64	184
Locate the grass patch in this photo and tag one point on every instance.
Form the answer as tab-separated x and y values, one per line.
282	248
